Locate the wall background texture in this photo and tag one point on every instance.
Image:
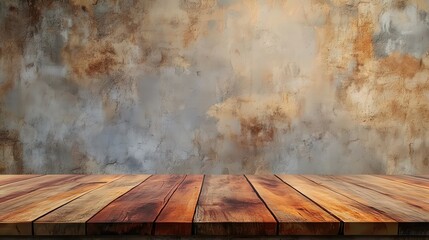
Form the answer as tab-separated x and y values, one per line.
206	86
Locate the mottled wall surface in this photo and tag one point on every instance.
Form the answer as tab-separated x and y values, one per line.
214	86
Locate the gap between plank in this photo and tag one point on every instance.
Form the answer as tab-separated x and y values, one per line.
341	230
159	213
405	182
86	233
254	189
333	190
32	222
41	175
43	185
350	181
373	208
194	229
420	177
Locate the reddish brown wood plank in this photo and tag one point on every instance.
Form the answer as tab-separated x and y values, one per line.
411	218
71	218
296	214
176	217
358	218
17	214
229	206
135	211
375	204
6	179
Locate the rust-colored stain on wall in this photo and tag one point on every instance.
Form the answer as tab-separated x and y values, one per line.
214	86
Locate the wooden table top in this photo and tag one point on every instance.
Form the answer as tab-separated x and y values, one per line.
214	205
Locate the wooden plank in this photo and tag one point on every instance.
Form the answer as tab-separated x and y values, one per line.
71	218
6	179
135	211
229	206
410	194
296	214
177	215
421	176
17	214
13	190
415	181
358	219
49	187
411	219
401	191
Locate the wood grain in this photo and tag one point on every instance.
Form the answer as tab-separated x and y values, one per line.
401	191
135	212
222	205
358	218
411	218
17	214
6	179
71	218
296	214
412	195
13	190
421	176
176	217
415	181
229	206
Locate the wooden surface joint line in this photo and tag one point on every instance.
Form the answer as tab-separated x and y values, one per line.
339	192
86	233
341	230
194	228
266	205
165	204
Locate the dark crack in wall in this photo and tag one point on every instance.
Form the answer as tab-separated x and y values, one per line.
214	86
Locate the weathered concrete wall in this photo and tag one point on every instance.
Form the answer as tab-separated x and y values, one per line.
226	86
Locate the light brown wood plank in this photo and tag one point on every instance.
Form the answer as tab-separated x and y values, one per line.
416	196
17	214
401	191
176	217
421	176
135	212
70	219
411	219
296	214
415	181
358	219
13	190
7	179
229	206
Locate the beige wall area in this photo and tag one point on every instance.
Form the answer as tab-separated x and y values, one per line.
214	86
